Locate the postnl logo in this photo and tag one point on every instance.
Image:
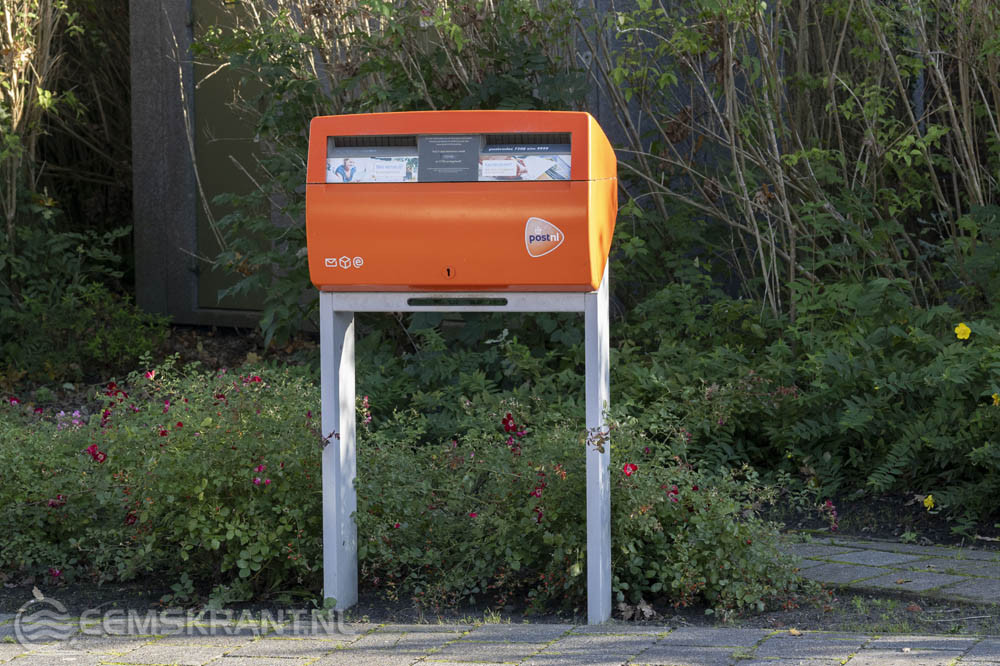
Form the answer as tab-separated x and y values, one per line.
541	236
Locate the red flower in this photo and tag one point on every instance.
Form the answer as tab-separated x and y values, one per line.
38	410
180	425
396	526
92	450
14	401
131	518
55	573
473	514
151	374
163	433
101	456
630	468
508	423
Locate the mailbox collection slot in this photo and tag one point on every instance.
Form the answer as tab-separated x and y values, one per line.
457	302
397	158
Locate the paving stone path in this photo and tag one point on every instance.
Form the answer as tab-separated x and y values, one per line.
45	636
959	574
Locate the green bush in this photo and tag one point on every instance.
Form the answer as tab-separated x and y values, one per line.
499	513
211	480
76	332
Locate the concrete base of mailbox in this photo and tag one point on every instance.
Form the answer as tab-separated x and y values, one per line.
340	539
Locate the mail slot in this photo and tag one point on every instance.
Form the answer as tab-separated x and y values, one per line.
459	201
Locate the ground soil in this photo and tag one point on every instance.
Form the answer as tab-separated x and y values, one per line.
894	517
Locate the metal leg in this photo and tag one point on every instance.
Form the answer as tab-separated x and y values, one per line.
598	479
340	538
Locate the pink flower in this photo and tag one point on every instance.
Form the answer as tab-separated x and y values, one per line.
38	410
646	450
630	469
151	374
396	526
166	406
256	480
55	573
261	468
267	482
473	514
92	450
14	401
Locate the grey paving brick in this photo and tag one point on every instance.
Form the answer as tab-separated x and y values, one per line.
69	659
607	644
614	627
984	555
262	661
822	551
877	558
411	641
431	628
489	652
950	565
900	658
682	655
112	645
714	637
922	642
10	650
351	657
159	654
208	640
912	581
986	590
815	647
285	647
789	662
529	633
572	659
842	573
986	650
808	564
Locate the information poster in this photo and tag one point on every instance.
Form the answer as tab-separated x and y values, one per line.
448	158
525	162
394	169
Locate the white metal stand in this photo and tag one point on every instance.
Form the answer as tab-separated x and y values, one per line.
340	538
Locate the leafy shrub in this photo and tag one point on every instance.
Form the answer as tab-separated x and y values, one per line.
213	476
498	512
213	479
78	332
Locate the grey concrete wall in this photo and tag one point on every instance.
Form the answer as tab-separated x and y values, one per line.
165	189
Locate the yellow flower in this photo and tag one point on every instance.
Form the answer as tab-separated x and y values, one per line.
996	400
929	502
962	331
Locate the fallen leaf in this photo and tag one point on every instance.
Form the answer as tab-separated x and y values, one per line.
913	608
35	592
901	581
906	649
794	632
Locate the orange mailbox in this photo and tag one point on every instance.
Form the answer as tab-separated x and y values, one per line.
459	201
